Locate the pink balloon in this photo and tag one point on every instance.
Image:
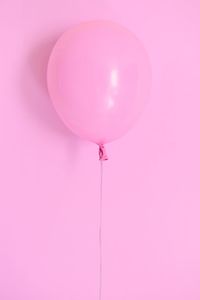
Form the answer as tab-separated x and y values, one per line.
98	79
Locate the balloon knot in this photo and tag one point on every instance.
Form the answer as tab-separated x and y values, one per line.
102	153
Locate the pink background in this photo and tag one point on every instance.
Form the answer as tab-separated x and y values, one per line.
50	179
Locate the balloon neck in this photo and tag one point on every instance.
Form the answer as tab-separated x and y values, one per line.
102	153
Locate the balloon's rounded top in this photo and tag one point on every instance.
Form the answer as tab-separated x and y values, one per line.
98	79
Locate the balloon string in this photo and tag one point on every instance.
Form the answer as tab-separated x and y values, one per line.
100	229
102	157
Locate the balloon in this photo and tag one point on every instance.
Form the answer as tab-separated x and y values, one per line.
98	79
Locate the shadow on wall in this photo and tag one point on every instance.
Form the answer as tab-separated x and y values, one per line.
35	95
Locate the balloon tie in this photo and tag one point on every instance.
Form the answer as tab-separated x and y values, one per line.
102	153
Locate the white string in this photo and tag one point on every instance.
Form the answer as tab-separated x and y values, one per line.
100	229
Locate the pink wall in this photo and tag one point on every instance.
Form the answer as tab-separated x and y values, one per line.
50	179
